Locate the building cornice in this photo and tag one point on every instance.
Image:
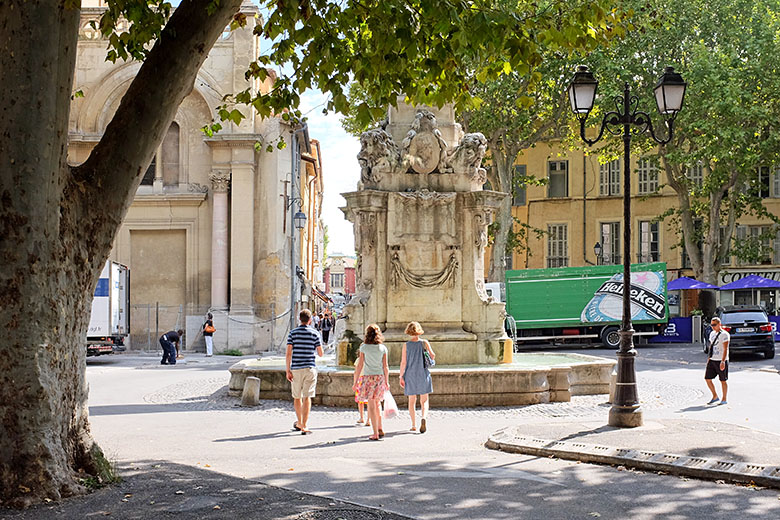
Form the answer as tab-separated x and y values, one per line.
173	199
233	140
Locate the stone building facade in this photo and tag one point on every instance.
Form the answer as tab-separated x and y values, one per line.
209	229
339	276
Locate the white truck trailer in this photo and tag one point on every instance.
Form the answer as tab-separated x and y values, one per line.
109	323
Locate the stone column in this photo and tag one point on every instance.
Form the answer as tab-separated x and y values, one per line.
242	234
220	182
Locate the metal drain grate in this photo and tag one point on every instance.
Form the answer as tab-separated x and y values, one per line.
339	514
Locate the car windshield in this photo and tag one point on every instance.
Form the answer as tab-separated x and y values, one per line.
744	317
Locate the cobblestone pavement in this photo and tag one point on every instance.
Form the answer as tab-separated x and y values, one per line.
212	394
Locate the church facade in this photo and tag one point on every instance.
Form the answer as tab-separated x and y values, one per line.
210	229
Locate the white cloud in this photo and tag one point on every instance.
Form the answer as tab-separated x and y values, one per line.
341	171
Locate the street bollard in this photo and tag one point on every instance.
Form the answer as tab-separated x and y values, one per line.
251	394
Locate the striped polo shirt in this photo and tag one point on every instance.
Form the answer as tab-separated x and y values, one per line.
305	341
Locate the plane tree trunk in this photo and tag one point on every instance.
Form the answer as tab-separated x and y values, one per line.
57	225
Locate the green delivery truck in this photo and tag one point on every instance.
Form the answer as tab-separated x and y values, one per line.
585	303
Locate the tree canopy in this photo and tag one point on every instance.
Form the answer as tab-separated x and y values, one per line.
727	52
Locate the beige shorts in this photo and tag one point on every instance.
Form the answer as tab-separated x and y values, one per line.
304	383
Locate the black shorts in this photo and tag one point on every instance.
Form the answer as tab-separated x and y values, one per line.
713	369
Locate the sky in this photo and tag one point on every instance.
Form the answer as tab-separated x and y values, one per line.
341	171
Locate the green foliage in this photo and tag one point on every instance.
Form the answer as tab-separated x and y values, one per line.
325	242
430	50
353	346
727	52
103	471
231	352
132	26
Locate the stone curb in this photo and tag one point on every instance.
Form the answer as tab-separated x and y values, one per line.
708	469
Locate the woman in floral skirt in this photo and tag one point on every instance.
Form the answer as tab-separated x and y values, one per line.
372	365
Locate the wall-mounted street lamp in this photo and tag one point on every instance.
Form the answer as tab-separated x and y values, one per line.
669	95
300	220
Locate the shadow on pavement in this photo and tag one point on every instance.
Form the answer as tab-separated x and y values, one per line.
158	489
578	491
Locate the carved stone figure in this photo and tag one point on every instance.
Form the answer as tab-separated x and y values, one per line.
424	148
467	157
378	154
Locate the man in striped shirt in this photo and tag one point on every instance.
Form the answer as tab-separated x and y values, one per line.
302	343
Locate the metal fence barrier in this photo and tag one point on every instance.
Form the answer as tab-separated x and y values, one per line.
260	327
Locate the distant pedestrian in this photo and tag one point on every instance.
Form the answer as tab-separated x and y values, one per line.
415	375
170	345
718	361
302	343
372	364
316	321
325	326
208	334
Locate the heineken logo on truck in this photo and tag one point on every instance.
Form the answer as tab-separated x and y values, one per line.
647	296
652	303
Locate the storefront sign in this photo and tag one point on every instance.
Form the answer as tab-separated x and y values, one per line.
732	275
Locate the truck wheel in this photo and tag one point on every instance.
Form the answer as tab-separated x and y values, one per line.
610	336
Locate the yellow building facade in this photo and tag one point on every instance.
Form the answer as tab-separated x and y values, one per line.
582	205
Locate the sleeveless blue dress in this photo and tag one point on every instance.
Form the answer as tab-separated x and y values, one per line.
417	378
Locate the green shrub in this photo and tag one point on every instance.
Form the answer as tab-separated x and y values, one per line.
231	352
353	347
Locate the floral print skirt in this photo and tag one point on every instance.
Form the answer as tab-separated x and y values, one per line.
371	387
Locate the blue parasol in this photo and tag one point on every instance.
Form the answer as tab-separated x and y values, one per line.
752	281
685	282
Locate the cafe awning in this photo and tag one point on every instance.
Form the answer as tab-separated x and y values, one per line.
684	283
752	281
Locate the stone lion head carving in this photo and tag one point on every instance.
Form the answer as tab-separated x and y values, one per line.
467	157
378	154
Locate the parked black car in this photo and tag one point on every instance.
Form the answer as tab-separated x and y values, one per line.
749	327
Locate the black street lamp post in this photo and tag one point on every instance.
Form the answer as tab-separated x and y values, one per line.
669	94
597	252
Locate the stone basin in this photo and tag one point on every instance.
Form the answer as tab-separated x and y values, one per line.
529	379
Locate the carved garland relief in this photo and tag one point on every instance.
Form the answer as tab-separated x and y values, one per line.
399	273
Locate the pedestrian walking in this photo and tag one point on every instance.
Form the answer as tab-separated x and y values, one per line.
170	345
325	326
372	364
718	361
316	320
302	343
415	375
208	334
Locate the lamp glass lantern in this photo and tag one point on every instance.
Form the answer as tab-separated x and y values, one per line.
669	92
582	91
597	250
300	220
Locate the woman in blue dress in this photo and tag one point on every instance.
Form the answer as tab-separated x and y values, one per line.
415	376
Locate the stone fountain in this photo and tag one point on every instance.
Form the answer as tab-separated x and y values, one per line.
420	220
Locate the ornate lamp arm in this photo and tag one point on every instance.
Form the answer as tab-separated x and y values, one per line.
610	118
643	119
